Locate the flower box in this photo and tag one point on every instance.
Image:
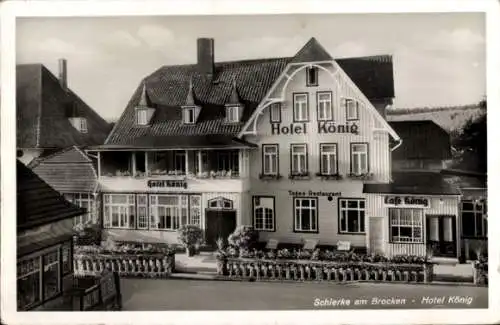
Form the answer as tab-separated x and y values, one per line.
299	176
480	272
329	176
364	177
270	177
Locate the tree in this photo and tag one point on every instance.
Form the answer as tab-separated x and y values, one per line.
471	144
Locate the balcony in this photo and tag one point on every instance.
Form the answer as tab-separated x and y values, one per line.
188	169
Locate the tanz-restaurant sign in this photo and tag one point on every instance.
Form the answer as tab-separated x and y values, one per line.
407	201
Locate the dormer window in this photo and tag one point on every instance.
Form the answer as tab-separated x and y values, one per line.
189	115
233	114
141	117
79	123
311	76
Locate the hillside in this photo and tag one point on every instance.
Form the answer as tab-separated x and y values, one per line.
451	119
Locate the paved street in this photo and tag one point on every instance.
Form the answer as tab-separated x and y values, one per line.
158	295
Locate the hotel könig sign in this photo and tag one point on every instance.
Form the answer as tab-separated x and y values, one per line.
407	202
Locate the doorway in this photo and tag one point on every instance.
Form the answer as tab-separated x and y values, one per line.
441	235
219	224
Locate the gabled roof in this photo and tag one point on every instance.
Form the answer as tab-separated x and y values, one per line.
311	52
416	183
68	171
38	203
169	86
42	107
422	139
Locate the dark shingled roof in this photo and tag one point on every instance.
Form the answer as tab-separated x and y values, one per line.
68	171
39	204
422	139
168	87
418	183
42	108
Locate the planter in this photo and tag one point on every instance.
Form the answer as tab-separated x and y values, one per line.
480	273
190	251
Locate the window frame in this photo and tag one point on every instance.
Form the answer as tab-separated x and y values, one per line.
477	214
83	125
141	116
347	209
352	154
264	154
345	103
315	70
316	209
336	154
306	158
178	215
254	215
185	114
128	205
77	199
278	107
412	226
318	106
235	109
305	106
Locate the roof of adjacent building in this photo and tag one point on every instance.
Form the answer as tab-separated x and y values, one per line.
42	108
170	87
38	203
68	171
414	183
422	139
472	185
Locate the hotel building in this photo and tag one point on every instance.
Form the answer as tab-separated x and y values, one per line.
298	147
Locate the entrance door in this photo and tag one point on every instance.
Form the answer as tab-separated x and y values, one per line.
441	235
219	224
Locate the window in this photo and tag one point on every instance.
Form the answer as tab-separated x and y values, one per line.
275	113
142	117
406	225
359	158
29	283
86	201
220	203
474	219
232	114
263	213
180	162
312	76
325	111
83	125
168	212
270	159
119	211
188	115
352	216
298	159
195	207
142	212
66	257
351	109
300	109
306	214
228	160
51	276
328	158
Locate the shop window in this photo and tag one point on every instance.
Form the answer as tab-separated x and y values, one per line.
474	219
270	157
119	211
306	214
298	159
275	113
300	107
324	103
328	158
311	76
264	213
406	225
352	216
86	201
168	212
359	158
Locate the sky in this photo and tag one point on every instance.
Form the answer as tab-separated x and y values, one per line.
439	58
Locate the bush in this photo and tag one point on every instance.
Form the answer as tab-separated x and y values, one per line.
190	235
87	234
244	237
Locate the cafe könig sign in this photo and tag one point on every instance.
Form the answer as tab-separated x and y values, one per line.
407	202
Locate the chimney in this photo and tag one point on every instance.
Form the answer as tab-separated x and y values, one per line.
206	56
63	74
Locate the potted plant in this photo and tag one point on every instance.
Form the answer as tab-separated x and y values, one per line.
190	236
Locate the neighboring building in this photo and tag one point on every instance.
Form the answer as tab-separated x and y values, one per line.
71	172
50	116
298	147
426	146
44	244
